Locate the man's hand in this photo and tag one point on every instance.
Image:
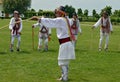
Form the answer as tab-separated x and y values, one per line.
39	20
33	26
19	33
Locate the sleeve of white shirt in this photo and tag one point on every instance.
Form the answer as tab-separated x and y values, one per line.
97	23
37	24
49	32
11	24
111	29
78	25
71	22
20	25
52	23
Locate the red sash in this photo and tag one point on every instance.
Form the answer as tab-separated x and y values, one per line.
64	40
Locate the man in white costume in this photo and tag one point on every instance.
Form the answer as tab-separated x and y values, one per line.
66	48
15	27
44	35
106	28
75	28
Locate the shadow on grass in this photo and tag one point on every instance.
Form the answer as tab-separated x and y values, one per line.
82	50
114	51
3	53
44	51
24	52
84	79
81	79
52	50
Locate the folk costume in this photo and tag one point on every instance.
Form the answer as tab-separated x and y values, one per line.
15	27
66	48
44	35
106	28
75	28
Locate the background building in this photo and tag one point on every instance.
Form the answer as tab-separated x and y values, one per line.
1	8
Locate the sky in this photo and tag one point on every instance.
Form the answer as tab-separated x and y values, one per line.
83	4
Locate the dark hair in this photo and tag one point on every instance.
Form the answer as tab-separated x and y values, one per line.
62	8
74	14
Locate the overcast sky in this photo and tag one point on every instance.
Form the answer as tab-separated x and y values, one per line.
84	4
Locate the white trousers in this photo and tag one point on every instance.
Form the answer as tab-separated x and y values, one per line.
102	36
74	42
64	68
40	42
13	38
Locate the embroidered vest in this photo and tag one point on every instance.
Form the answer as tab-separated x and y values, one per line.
17	26
74	25
44	30
105	28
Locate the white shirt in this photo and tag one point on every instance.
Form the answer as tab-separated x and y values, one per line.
79	28
12	24
98	23
40	25
60	23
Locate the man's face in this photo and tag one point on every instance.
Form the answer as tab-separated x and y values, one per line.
15	15
74	17
56	13
105	15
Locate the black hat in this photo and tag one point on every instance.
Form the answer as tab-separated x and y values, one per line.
62	8
74	14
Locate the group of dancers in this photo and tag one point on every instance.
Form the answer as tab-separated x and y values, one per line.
67	33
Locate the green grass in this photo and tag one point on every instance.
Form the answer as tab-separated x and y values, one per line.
38	66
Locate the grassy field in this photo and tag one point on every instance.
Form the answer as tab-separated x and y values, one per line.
30	65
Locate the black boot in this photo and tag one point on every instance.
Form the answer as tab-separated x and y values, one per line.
18	49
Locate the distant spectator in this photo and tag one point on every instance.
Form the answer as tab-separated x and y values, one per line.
106	28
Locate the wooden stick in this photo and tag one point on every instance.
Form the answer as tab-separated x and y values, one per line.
33	38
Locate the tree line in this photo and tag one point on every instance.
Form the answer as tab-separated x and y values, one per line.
23	6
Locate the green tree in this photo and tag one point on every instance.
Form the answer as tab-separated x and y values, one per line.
80	13
116	13
97	16
20	5
33	10
94	13
86	12
70	10
108	9
40	10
